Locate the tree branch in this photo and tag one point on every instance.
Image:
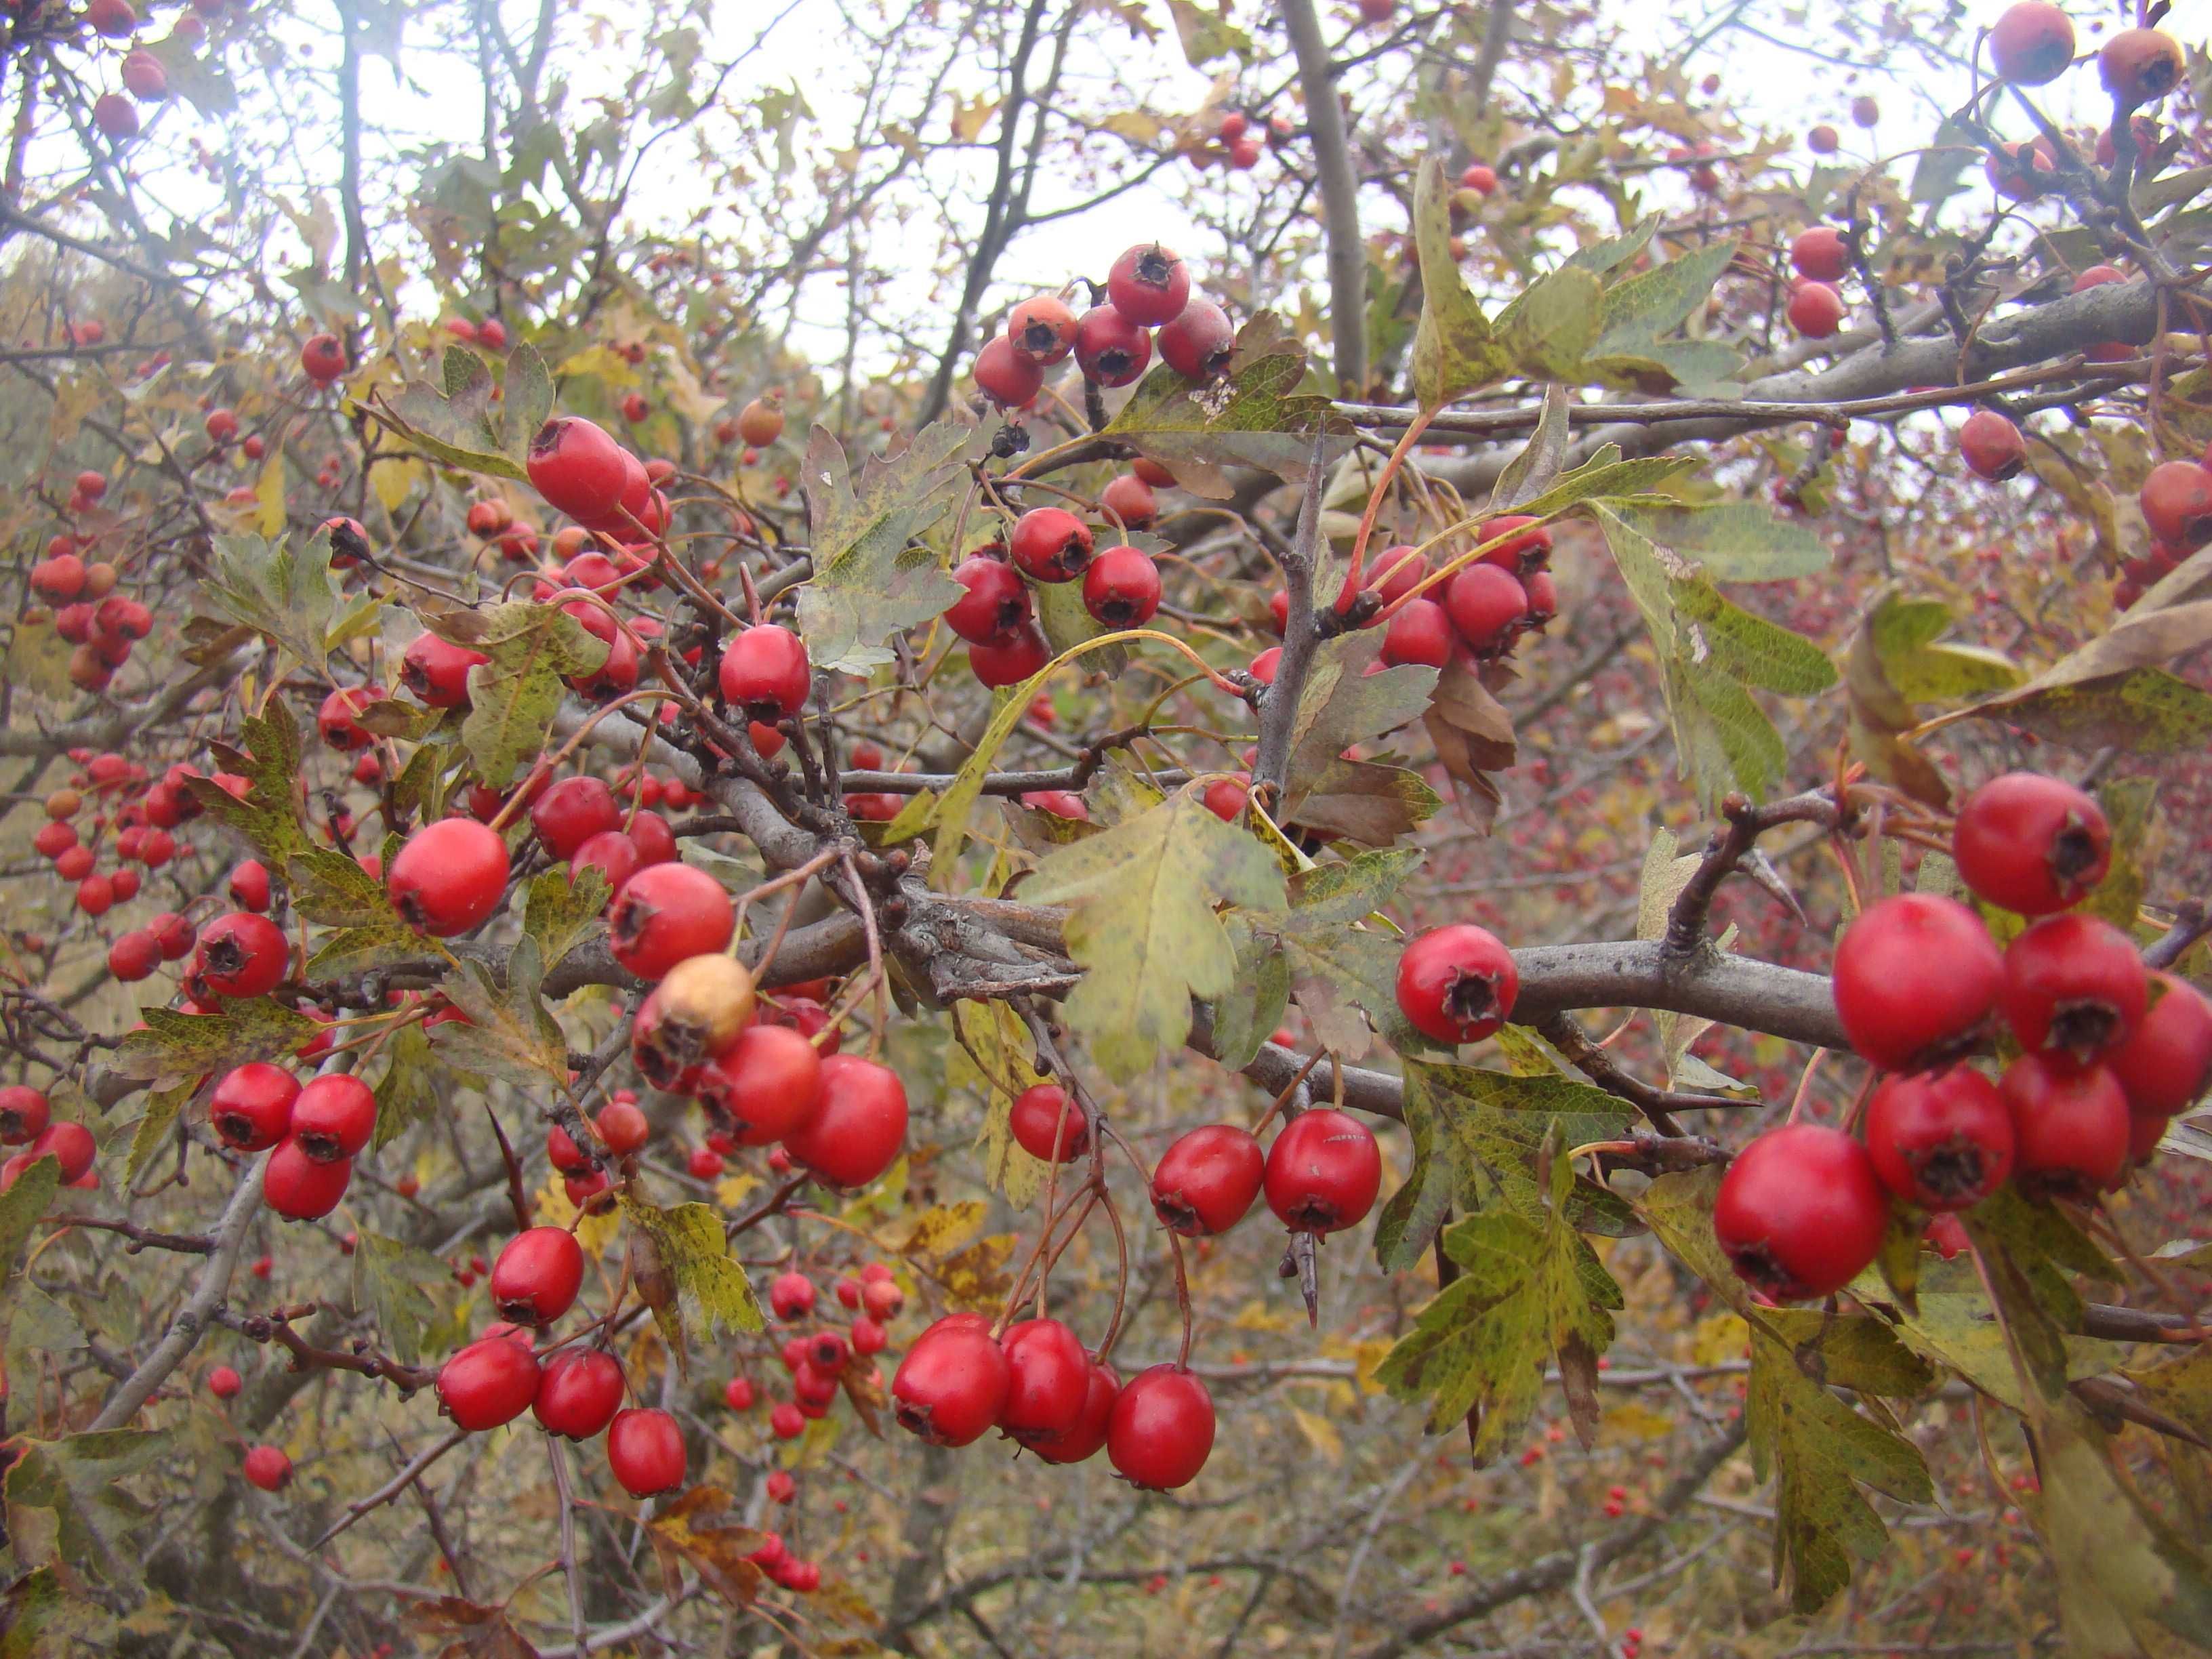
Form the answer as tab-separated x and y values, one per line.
1339	195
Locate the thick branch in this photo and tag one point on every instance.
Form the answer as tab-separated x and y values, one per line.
1339	195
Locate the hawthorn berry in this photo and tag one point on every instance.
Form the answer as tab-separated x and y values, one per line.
791	1296
578	1392
1198	342
2166	1063
1916	977
322	358
1042	330
2070	1126
1487	605
1048	1378
437	671
765	672
302	1188
242	955
1083	1438
1161	1428
760	422
1323	1171
666	913
696	1013
1815	310
1942	1141
1004	376
24	1113
858	1127
250	1109
449	877
738	1394
1110	348
645	1451
536	1276
2031	844
1205	1182
333	1117
136	954
1149	285
2176	499
224	1384
491	1382
996	607
1457	984
1991	446
1046	1123
613	853
2140	66
1051	544
570	812
1121	587
2031	44
268	1468
1800	1212
70	1144
1820	254
2073	984
952	1384
1130	501
1010	664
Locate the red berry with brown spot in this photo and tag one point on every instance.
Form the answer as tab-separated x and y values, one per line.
1110	348
666	913
1149	285
1042	330
2070	1126
996	607
2031	44
1206	1181
1800	1212
1942	1141
1199	342
1915	978
1121	587
333	1117
2176	499
2074	985
1051	544
449	877
250	1109
1457	984
537	1276
2032	844
1324	1172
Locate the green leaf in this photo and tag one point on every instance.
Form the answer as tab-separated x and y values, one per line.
1545	332
514	697
454	422
1531	1291
1455	350
1734	541
177	1047
392	1282
872	576
408	1092
1342	704
712	1291
1250	1011
288	597
1943	163
350	950
44	1618
563	912
2127	804
163	1110
330	888
1144	927
1477	1135
1637	312
1332	967
269	759
527	399
1709	652
87	1515
23	1204
1614	251
509	1033
1606	476
197	77
1538	464
1207	33
1895	661
1067	621
1252	414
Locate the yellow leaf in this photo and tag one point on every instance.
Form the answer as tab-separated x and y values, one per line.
731	1191
397	478
269	494
594	1233
943	1230
968	121
1718	1339
1637	1422
1320	1434
976	1280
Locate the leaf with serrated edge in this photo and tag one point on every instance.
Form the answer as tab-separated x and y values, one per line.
713	1292
284	594
507	1034
392	1282
1734	541
1455	350
79	1479
870	579
514	697
1342	703
163	1107
1143	926
176	1047
408	1092
1363	802
563	910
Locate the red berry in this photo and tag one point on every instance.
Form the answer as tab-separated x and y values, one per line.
579	1391
1942	1141
613	853
1051	544
1161	1428
1916	977
859	1125
1486	604
1087	1434
2176	499
249	886
787	1421
1324	1172
780	1487
492	1381
1004	376
224	1383
791	1296
70	1144
622	1128
1815	310
738	1394
2140	66
537	1275
2073	984
1199	343
952	1384
578	469
1149	285
570	812
868	1336
1206	1181
1048	1378
1041	330
1800	1212
2032	844
323	358
1820	254
268	1468
1047	1124
437	671
2166	1064
24	1114
645	1451
333	1117
300	1187
251	1107
449	877
1991	446
242	955
1420	633
765	672
2031	44
882	1298
1130	500
666	913
1457	984
996	608
1110	348
2069	1126
1121	587
134	955
1011	664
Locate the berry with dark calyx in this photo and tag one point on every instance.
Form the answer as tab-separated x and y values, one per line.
1004	376
2176	499
1800	1212
449	877
1121	587
1527	549
323	358
1543	598
996	607
1486	605
242	955
250	1109
1083	1437
578	1392
492	1381
2032	844
2166	1065
1048	1378
437	671
1421	632
1324	1172
1011	663
1149	284
24	1114
828	1354
613	853
1047	1123
268	1468
2070	1126
1199	342
1820	253
858	1127
1042	330
1110	348
766	1086
570	812
2140	66
333	1117
1915	978
2075	985
1815	310
765	672
666	913
1942	1141
952	1385
2031	44
1457	984
536	1276
1205	1182
1051	544
791	1296
695	1013
1161	1431
1991	446
645	1451
300	1187
1129	500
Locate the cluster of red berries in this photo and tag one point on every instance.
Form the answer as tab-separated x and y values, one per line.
142	815
1147	288
1049	544
98	623
314	1132
490	334
2109	1052
1035	1380
27	1120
